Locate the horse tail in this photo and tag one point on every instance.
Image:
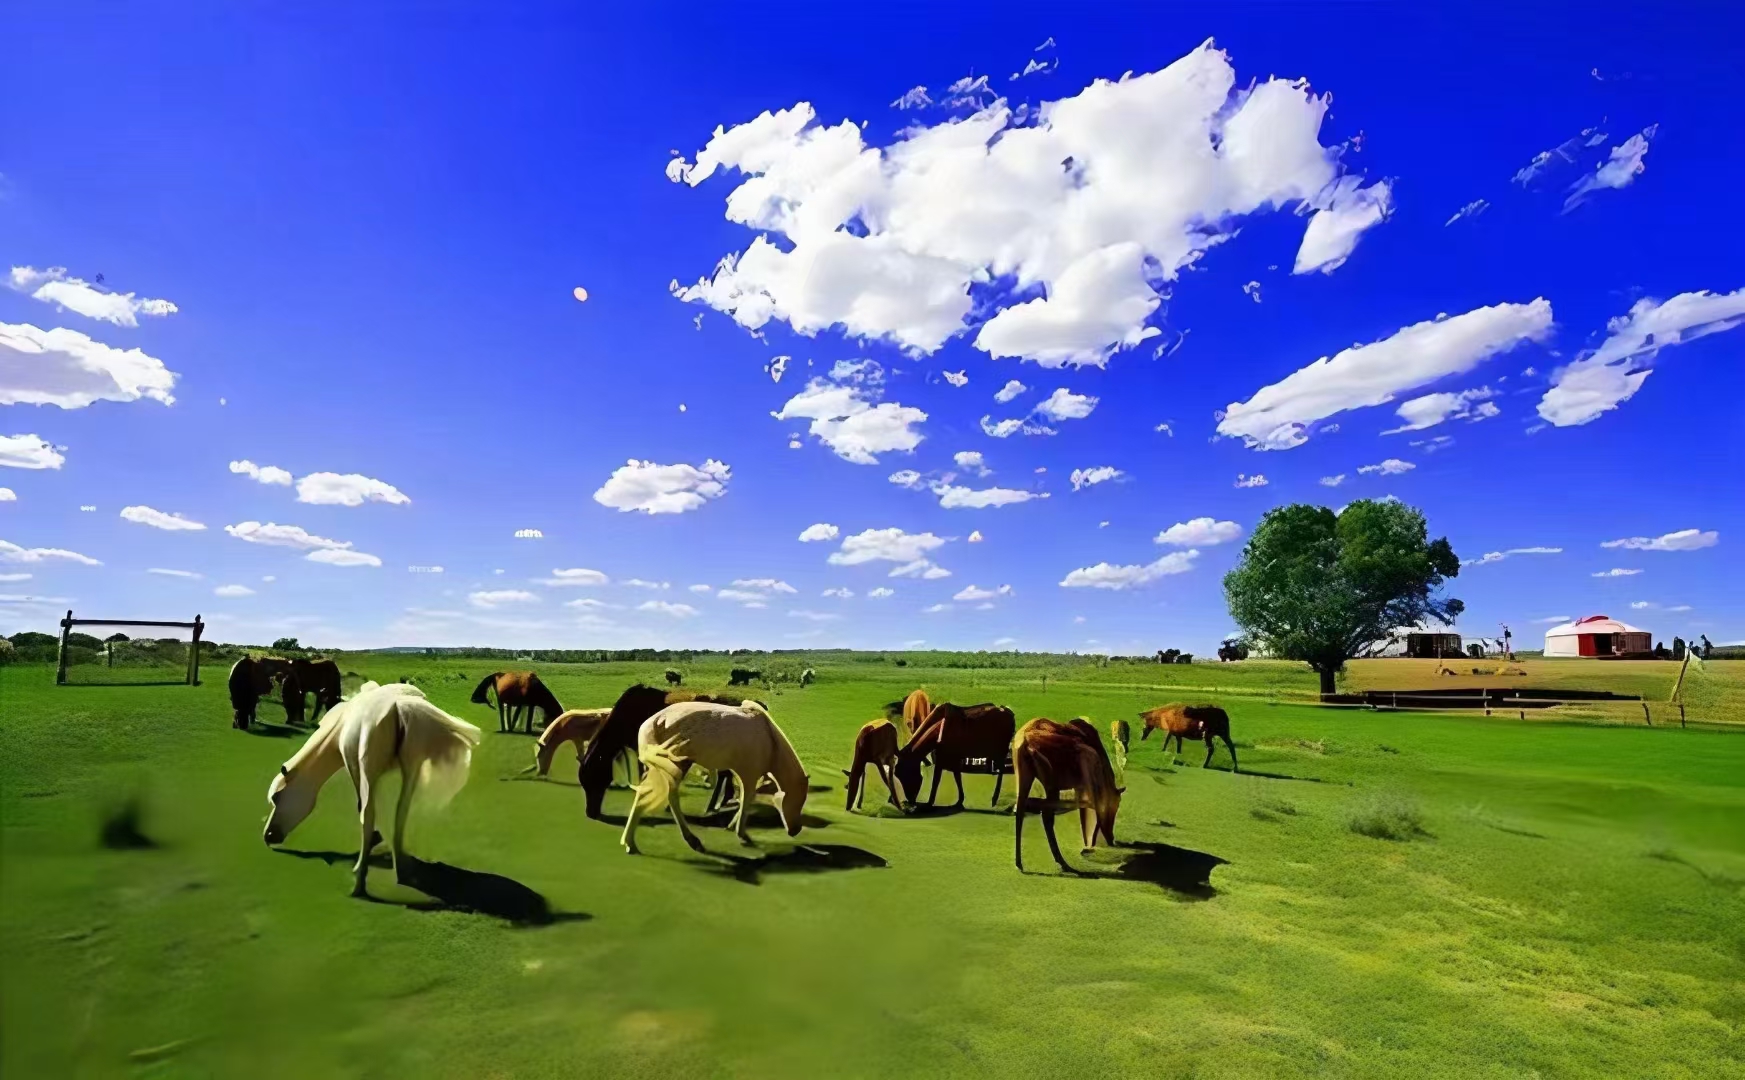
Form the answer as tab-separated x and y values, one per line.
662	769
486	683
447	742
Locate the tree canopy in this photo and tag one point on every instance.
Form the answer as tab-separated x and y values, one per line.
1319	586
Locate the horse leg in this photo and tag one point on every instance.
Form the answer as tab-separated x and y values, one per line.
958	776
855	779
367	828
1208	762
408	787
938	771
890	784
1232	748
628	838
1048	827
999	775
747	796
672	802
1021	791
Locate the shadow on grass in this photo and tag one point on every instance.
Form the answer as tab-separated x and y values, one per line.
120	829
798	859
264	730
454	888
1268	775
1180	870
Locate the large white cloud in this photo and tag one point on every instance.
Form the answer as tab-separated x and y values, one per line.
910	550
53	286
66	368
1110	576
663	489
1611	375
1682	540
953	497
845	418
265	474
1086	208
1278	417
10	552
348	489
29	452
158	519
291	536
1199	532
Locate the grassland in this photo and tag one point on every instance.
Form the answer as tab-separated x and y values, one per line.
1550	898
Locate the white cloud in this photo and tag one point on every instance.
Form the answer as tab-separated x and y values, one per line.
1252	291
1443	442
885	545
1498	556
1011	390
1611	374
956	378
1638	605
29	452
525	534
845	419
972	592
1391	467
1089	209
907	478
1165	429
666	607
1243	480
496	598
266	474
175	573
880	593
53	286
1063	404
1348	210
290	536
740	596
588	603
1555	158
766	584
233	590
158	519
776	367
576	576
935	609
925	569
15	577
1617	171
342	557
1470	210
971	461
8	495
913	98
700	589
1550	620
1109	576
1084	478
1432	409
1003	428
1278	416
66	368
975	537
1332	481
963	498
1199	532
813	616
350	489
1682	540
663	489
639	583
1617	571
839	593
820	531
10	552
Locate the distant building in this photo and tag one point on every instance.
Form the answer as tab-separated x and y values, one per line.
1421	642
1598	635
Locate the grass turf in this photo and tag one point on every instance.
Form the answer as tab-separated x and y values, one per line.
1389	894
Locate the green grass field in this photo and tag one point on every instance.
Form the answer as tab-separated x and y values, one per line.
1558	899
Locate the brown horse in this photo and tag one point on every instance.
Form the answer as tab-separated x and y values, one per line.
248	681
956	735
517	690
914	709
875	745
1064	756
575	726
1190	721
320	677
619	732
291	695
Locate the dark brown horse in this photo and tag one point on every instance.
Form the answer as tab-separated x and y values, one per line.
1064	756
517	691
318	677
618	734
251	679
1190	721
957	735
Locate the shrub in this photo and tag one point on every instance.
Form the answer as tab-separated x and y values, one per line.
1389	817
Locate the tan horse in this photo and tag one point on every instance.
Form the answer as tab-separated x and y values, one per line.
914	709
1190	721
875	745
1063	756
578	726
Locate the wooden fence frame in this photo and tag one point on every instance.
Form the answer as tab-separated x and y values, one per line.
69	622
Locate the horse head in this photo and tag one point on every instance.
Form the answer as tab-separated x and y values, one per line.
793	801
290	801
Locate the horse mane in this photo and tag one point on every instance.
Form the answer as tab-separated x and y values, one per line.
488	681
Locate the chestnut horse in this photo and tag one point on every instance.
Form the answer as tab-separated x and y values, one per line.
517	690
914	709
1193	722
956	735
875	745
618	734
1064	756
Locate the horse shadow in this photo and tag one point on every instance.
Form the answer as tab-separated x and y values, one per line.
455	888
1180	870
1267	775
797	859
264	730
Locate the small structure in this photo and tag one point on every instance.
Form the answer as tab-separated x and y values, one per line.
1419	642
1598	635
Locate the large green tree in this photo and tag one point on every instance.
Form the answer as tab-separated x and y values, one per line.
1319	586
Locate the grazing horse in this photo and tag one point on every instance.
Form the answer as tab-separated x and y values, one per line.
291	695
674	677
1064	756
320	677
245	692
875	745
517	690
618	734
1192	721
382	728
743	676
956	735
914	709
739	739
578	726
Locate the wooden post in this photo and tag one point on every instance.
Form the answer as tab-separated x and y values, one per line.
61	657
1681	714
1645	716
194	654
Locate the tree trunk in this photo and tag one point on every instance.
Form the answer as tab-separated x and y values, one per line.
1327	688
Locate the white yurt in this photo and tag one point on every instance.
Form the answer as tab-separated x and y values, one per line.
1598	635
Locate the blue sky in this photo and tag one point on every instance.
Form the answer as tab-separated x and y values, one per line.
369	231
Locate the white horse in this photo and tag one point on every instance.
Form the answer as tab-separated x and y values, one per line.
741	739
381	728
